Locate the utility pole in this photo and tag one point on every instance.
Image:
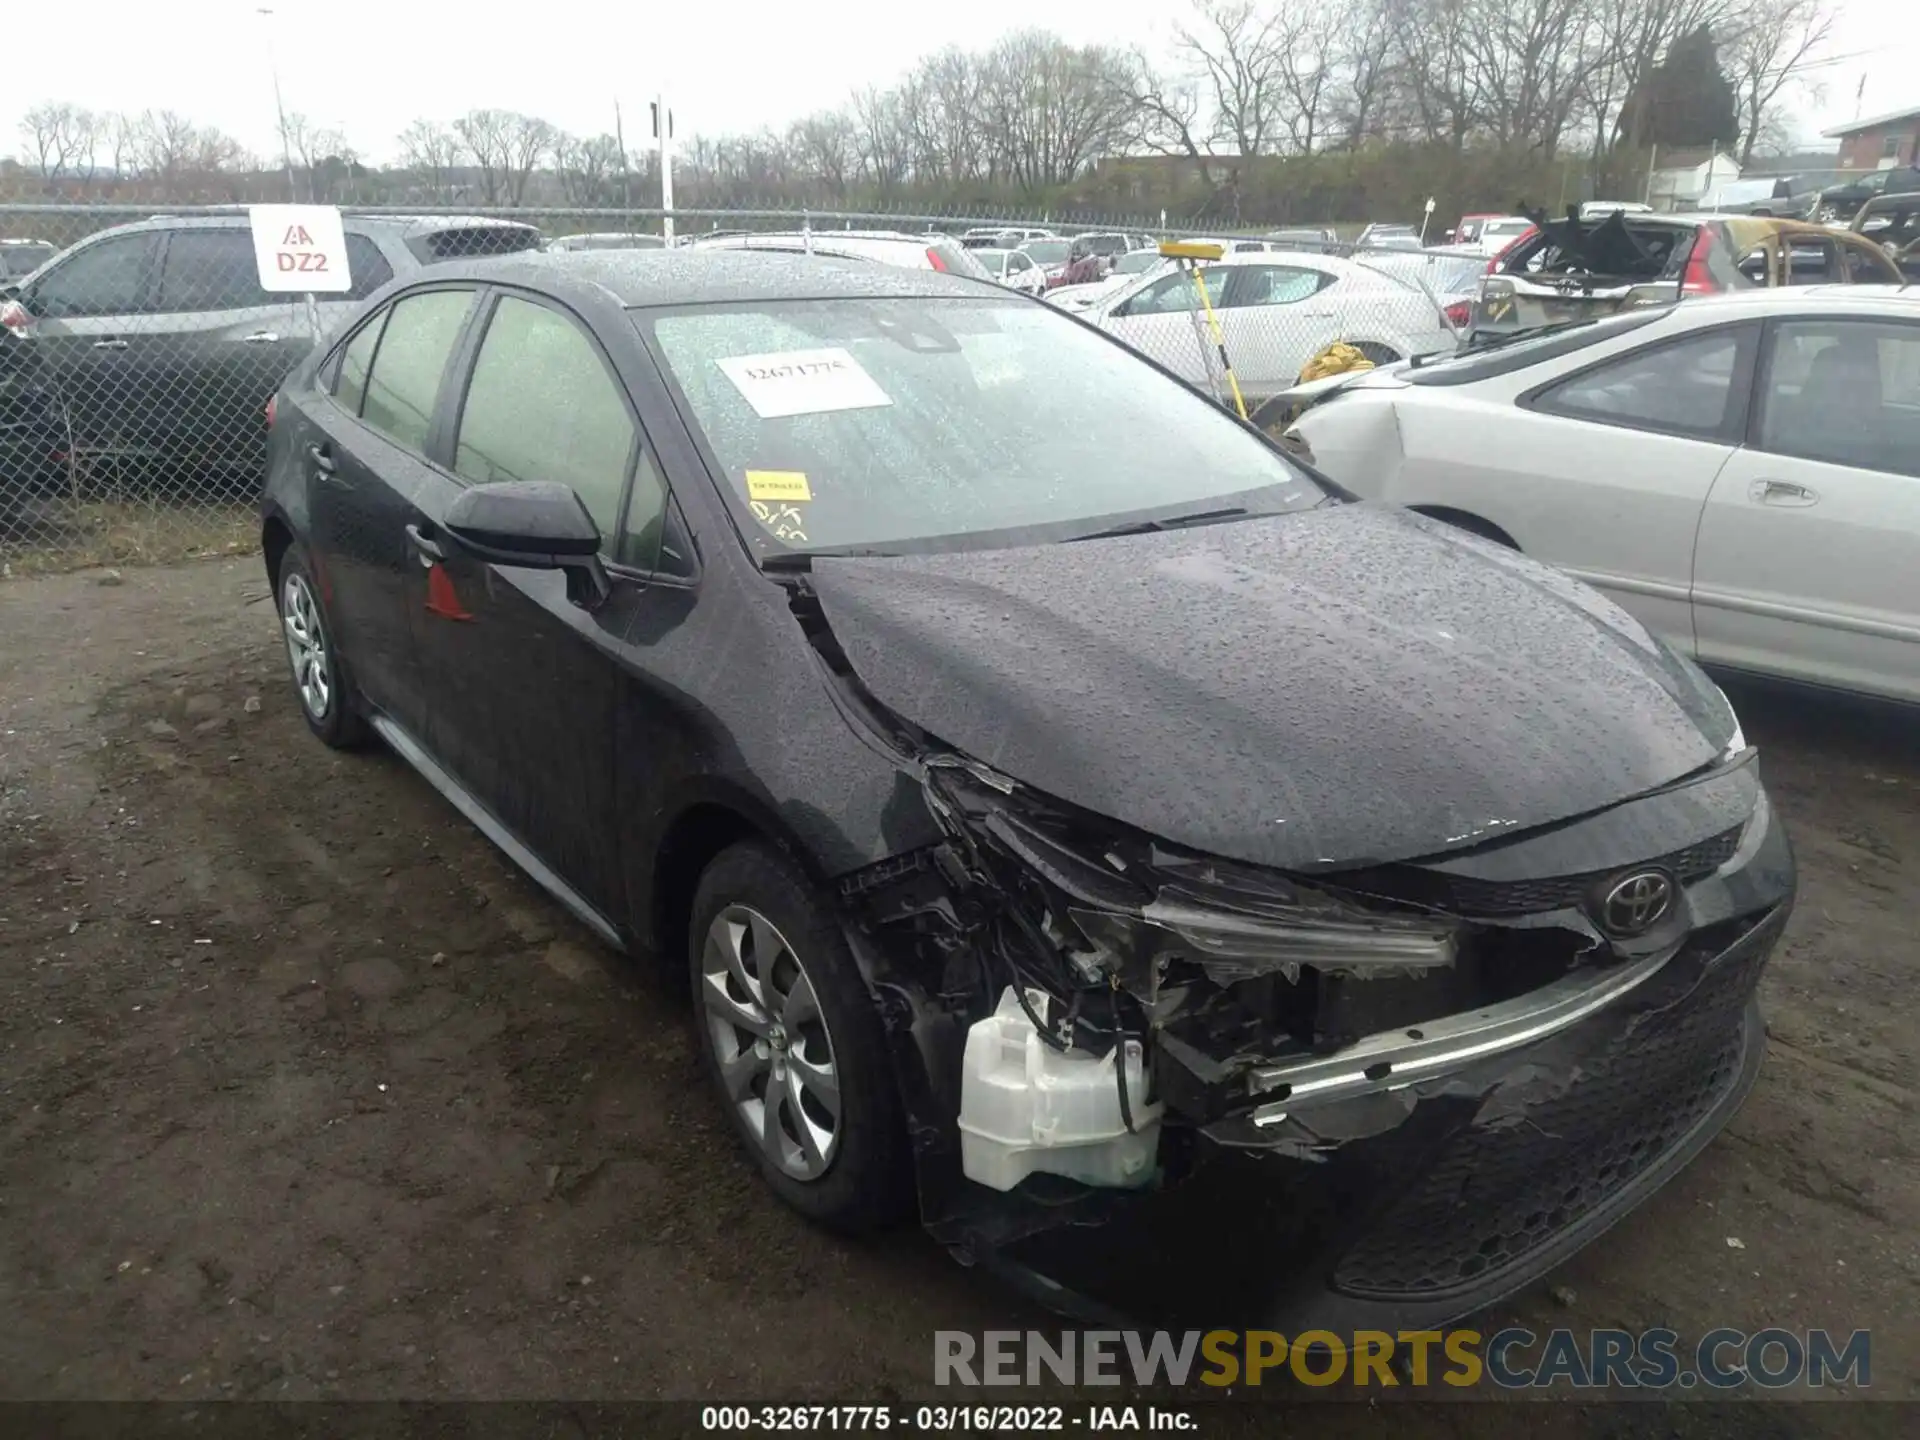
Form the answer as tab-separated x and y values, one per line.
286	144
626	170
663	132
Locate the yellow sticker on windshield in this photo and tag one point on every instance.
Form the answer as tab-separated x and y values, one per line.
777	485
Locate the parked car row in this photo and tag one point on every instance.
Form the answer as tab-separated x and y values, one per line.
1079	823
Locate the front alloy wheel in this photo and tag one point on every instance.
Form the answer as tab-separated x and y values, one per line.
791	1034
771	1042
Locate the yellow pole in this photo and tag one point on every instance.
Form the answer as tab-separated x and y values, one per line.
1219	340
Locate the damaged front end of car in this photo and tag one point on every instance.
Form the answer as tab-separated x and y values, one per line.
1142	1080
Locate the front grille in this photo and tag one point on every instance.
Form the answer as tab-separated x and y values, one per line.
1499	1191
1463	895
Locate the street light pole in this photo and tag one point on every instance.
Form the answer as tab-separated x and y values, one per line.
286	144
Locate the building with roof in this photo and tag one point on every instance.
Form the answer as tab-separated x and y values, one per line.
1881	141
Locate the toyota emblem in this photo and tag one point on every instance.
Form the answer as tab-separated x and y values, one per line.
1636	903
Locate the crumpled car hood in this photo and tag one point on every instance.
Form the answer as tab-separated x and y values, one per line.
1350	685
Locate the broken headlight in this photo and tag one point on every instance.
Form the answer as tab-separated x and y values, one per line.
1141	906
1237	922
1232	946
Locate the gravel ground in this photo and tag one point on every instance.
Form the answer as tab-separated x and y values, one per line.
305	1093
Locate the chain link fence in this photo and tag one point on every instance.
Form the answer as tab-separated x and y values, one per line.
138	350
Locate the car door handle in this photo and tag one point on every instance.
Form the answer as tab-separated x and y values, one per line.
1781	492
322	458
425	547
109	344
260	337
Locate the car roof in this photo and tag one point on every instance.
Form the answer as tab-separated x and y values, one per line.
403	225
1896	300
714	275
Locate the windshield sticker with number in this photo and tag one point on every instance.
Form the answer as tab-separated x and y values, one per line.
802	382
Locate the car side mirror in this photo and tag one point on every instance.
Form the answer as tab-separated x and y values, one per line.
536	525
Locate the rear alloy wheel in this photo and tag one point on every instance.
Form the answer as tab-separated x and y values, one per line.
791	1036
319	678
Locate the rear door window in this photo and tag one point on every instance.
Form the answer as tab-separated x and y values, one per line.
544	405
211	270
1274	285
350	384
1687	387
409	362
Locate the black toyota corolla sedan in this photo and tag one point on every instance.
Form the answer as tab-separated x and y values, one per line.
1191	890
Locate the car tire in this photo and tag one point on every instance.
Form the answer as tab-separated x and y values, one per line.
782	1010
321	682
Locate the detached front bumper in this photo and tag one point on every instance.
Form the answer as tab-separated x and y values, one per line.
1411	1204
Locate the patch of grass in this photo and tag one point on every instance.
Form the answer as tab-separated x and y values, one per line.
126	533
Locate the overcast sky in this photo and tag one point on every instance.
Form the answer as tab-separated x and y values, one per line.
371	66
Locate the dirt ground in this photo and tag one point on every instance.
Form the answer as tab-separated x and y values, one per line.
304	1092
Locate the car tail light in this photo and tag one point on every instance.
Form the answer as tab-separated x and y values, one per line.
933	259
1493	265
1698	279
1459	314
273	408
15	316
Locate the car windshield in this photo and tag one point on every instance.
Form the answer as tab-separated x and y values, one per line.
994	260
920	424
1047	252
1137	262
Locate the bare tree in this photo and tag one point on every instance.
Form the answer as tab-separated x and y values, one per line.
527	139
587	169
311	146
123	141
1363	45
433	152
60	138
168	142
1165	116
488	136
1237	46
1306	63
1767	49
882	142
827	146
1531	61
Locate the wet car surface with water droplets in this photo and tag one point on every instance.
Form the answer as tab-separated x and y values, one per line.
1076	816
